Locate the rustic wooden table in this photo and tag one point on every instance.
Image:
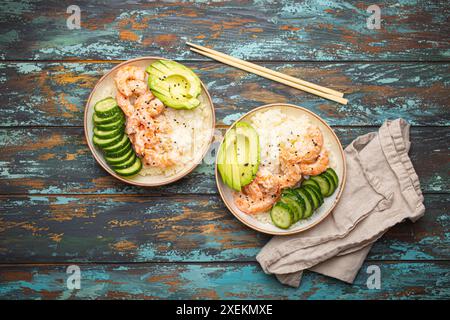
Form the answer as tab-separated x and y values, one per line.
58	207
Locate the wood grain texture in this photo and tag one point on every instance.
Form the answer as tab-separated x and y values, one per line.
54	94
259	30
49	161
399	280
179	228
57	206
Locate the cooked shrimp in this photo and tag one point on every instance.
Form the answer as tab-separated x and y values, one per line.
290	167
260	194
317	167
148	105
137	87
291	174
132	124
125	75
125	104
308	148
145	138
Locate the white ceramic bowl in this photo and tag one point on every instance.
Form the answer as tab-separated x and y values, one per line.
105	87
322	212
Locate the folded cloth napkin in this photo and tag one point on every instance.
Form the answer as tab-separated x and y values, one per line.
382	189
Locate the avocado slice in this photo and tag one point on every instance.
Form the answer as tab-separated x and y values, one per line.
239	156
229	169
224	167
243	158
174	84
245	129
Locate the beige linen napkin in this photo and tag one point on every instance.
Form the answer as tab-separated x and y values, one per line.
382	189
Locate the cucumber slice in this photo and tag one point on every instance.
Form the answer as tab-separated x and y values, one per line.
312	194
106	107
300	202
120	152
317	193
97	120
291	202
107	142
323	184
121	159
312	183
281	215
308	202
112	125
126	164
119	145
334	175
132	170
331	182
107	134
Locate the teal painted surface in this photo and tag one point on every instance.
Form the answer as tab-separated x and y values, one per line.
399	280
176	228
179	241
56	93
263	30
48	161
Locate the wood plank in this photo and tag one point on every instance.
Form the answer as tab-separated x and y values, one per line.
181	228
399	280
54	94
49	161
305	30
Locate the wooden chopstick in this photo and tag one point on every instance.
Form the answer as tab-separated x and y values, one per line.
271	77
271	74
269	71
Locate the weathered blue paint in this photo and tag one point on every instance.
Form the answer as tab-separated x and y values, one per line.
262	30
55	93
177	228
224	281
49	212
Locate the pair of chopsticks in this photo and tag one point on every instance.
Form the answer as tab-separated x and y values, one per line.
300	84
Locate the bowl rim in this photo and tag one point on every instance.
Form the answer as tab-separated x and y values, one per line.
338	196
173	178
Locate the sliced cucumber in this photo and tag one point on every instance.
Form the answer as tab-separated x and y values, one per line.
323	184
292	203
97	120
281	215
312	195
107	142
106	107
317	193
112	125
117	146
299	200
334	175
121	159
308	202
331	182
107	134
132	170
312	183
120	152
127	163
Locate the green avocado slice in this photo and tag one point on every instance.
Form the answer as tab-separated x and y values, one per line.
245	129
174	84
230	166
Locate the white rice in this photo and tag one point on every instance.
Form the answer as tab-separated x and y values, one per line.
275	128
190	132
